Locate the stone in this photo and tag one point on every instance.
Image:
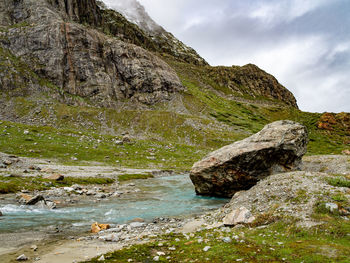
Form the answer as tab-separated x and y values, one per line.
34	247
22	258
206	248
160	253
96	227
100	195
7	162
126	138
239	216
110	238
24	198
332	207
227	240
1	214
76	187
35	199
156	258
346	152
55	177
68	189
102	258
278	147
136	224
118	142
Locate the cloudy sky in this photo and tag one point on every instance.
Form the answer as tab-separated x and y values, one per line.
305	44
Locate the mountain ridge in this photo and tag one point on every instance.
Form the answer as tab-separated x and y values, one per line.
57	69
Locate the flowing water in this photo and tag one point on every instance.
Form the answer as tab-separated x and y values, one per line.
159	197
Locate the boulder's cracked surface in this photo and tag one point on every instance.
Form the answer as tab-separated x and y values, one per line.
277	148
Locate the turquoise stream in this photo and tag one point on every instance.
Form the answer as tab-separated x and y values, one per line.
159	197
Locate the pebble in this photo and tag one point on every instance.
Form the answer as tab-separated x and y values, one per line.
227	240
22	258
160	253
172	248
102	258
156	258
34	247
331	207
206	248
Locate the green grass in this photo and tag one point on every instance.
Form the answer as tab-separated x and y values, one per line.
339	181
128	177
64	145
17	183
278	242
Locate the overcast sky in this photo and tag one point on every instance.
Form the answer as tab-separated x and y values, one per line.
305	44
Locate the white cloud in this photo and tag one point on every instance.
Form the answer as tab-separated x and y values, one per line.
283	10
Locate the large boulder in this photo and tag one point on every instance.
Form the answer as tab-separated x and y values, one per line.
277	148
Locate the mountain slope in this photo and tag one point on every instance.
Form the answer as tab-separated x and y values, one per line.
76	66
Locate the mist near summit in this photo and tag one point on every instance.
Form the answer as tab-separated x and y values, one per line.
304	44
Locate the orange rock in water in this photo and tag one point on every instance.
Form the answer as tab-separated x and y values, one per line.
96	227
26	197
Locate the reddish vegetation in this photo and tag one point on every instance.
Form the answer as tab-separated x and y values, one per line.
332	121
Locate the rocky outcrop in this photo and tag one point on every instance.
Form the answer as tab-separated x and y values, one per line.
161	40
277	148
288	195
81	61
252	81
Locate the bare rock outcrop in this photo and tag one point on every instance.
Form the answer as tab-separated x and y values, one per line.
81	61
277	148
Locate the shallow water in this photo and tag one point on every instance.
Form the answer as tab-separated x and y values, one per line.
160	197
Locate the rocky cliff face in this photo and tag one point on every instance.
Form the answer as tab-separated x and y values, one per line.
252	81
79	60
163	41
96	54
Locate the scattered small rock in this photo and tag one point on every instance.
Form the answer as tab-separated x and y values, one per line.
55	177
22	258
239	216
1	213
136	224
118	142
227	240
96	227
126	138
100	195
102	258
156	258
206	248
346	152
34	247
332	207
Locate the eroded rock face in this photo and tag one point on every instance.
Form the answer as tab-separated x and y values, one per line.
277	148
79	60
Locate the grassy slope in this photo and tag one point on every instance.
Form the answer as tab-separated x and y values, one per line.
177	140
